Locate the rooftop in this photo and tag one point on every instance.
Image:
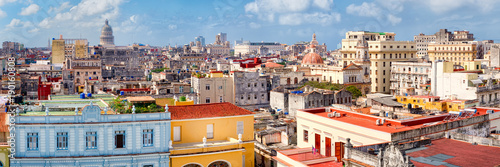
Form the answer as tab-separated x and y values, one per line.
206	111
305	156
390	125
444	152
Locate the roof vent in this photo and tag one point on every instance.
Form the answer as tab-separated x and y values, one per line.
327	109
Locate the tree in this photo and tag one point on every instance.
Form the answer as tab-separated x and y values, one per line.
355	91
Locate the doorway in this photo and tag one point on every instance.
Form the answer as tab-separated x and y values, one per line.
317	142
328	146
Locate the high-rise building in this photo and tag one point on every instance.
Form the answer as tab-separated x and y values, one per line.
107	38
68	48
223	37
58	51
375	52
201	39
442	36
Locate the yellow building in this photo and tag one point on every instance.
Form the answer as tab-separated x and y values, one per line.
433	103
4	155
456	52
209	135
184	102
58	51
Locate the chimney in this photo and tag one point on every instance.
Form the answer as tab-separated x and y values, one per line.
60	37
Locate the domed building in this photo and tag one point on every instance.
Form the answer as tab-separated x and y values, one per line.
312	59
107	38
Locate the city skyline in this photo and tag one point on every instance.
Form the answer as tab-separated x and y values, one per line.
161	23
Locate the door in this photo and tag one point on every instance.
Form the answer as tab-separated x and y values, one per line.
317	142
328	146
339	150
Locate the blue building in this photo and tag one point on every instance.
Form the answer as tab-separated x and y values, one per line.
92	139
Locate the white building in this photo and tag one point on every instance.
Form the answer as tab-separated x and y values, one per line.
248	47
410	78
464	85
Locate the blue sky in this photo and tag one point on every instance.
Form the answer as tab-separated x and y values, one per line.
160	23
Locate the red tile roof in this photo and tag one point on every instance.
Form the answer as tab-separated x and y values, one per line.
465	154
206	111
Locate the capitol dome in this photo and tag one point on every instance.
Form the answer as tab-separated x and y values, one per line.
107	38
312	58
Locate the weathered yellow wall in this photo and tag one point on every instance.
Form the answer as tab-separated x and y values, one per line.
4	155
184	103
207	155
57	56
224	127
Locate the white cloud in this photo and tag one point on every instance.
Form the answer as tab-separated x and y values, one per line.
286	10
88	13
3	2
394	19
2	13
324	4
63	6
365	9
383	11
16	23
310	18
443	6
32	9
172	26
34	30
254	25
133	18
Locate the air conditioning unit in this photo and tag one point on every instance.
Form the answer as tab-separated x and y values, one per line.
382	121
377	122
337	115
330	115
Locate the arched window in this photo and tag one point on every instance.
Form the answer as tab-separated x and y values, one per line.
295	80
219	164
192	165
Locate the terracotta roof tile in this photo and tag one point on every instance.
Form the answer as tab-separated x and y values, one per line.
464	154
206	111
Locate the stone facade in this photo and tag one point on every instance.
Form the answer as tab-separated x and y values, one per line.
92	139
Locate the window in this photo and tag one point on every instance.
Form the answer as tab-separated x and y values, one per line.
147	137
239	127
207	100
255	96
91	140
306	136
207	87
120	139
181	89
220	99
255	85
147	166
32	141
62	140
210	131
177	133
220	87
248	84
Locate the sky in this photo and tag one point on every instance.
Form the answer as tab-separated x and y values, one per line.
177	22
